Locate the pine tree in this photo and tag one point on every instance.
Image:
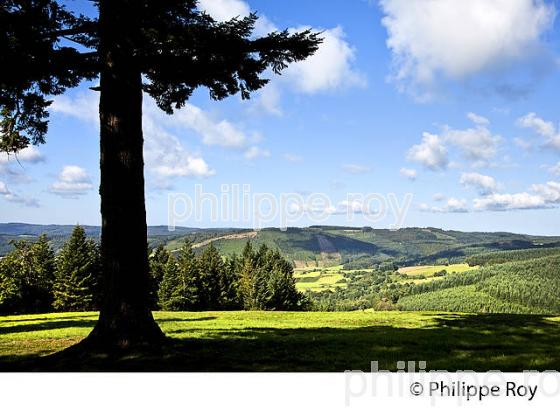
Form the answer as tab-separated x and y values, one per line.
281	285
251	279
232	300
213	279
76	286
158	261
169	294
180	288
42	267
266	281
26	277
166	49
245	274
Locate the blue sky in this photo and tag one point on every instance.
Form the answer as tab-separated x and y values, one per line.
454	102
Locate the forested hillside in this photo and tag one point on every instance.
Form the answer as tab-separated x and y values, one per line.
360	248
527	286
316	246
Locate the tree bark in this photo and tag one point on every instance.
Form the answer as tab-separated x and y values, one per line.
125	318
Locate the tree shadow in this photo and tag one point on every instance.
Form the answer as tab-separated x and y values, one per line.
452	342
35	319
193	319
48	325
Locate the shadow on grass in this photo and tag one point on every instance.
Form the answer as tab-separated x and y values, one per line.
36	319
48	325
194	319
453	342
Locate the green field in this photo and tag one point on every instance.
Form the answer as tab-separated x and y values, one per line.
319	279
305	341
429	270
330	278
425	273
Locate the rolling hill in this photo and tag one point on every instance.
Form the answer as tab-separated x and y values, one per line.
318	246
345	268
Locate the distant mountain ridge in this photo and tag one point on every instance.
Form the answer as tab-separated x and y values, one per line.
59	233
316	245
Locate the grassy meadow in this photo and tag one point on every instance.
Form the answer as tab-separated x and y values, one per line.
319	279
430	270
299	341
330	278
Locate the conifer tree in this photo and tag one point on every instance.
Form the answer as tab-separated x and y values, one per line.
26	277
165	48
246	277
158	262
212	279
232	298
76	286
281	285
266	281
251	283
180	288
169	294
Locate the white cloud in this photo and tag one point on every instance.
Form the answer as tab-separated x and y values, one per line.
550	191
438	197
477	119
523	144
478	145
541	196
268	101
356	169
166	157
213	132
72	182
485	184
15	198
431	153
255	152
293	158
453	205
224	10
457	39
409	173
544	128
456	205
331	67
11	165
29	154
84	106
555	169
506	202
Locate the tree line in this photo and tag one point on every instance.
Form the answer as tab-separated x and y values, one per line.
34	279
255	280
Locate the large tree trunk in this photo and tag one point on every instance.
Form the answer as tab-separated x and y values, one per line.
125	319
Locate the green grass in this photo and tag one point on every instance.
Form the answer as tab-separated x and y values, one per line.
319	279
429	270
300	341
